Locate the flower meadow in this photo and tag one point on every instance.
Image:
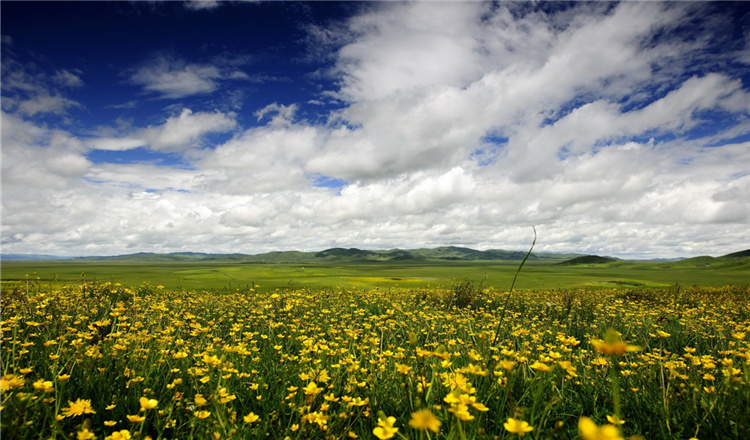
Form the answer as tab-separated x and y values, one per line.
105	361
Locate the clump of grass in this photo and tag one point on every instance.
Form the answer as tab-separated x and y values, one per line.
465	293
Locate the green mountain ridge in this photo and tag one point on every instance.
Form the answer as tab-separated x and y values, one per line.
443	253
341	255
586	260
739	259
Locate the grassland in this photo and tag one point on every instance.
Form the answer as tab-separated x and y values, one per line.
228	275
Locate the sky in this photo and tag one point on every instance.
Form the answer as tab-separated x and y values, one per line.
617	129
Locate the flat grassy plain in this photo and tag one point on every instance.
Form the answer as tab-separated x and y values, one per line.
439	274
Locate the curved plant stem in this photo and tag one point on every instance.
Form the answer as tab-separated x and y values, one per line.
512	285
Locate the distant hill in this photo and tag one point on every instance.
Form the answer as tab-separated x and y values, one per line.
587	259
354	255
738	260
146	257
24	257
335	255
740	254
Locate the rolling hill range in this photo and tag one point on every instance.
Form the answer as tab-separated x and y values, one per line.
333	255
440	254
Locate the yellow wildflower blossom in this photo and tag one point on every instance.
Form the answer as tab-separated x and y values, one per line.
147	404
612	344
385	428
589	430
77	408
202	414
9	381
424	419
85	434
517	426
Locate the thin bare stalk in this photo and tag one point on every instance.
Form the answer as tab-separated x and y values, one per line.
512	285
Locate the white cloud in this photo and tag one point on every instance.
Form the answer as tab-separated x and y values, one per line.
67	78
30	92
171	77
559	102
405	46
178	133
45	104
263	159
37	157
202	4
116	144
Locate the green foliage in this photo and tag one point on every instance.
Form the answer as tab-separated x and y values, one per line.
464	294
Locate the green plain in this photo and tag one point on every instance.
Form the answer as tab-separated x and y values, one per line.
222	275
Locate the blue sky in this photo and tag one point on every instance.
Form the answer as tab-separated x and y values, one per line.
615	128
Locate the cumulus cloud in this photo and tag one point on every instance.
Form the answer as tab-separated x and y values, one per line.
176	134
37	157
458	123
172	77
264	159
179	132
31	92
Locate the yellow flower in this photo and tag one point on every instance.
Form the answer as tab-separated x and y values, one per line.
403	368
312	389
662	334
119	435
135	419
202	414
615	420
479	406
250	418
424	419
44	385
612	344
506	365
588	430
385	428
110	423
147	404
518	426
77	408
539	366
85	434
11	381
224	396
200	400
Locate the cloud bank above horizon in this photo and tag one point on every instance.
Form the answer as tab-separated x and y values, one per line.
615	128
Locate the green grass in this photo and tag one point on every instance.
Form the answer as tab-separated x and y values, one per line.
499	274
